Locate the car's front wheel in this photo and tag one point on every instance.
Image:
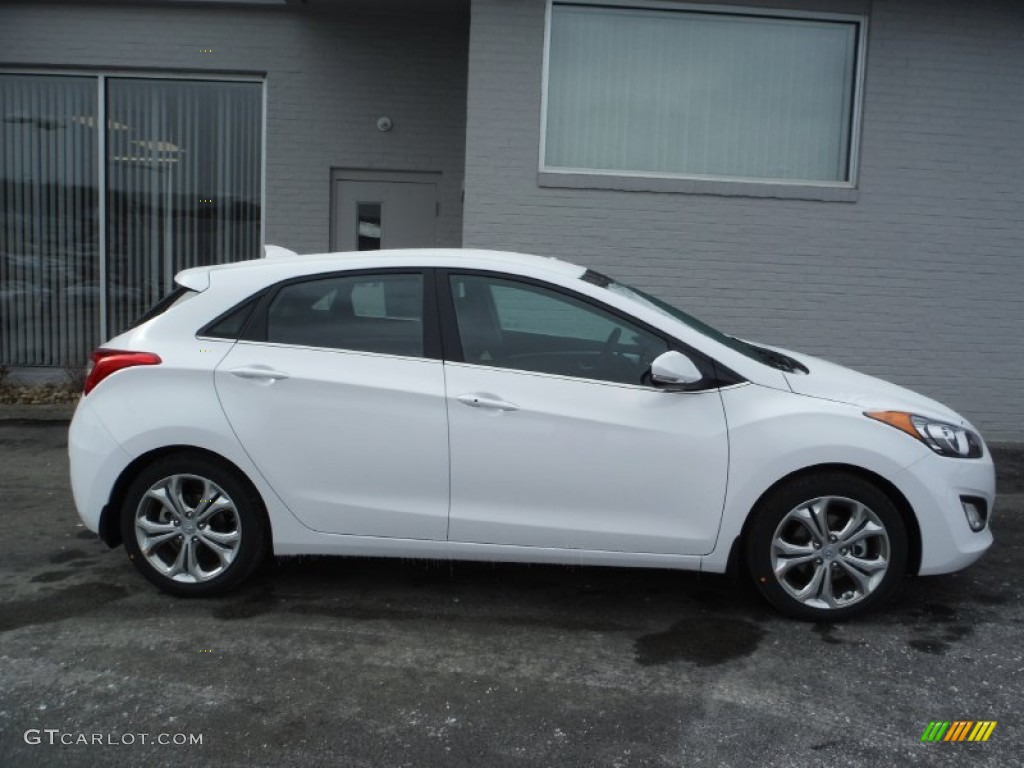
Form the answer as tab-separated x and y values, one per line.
827	546
192	526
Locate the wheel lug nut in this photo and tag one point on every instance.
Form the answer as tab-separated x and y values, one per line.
833	538
817	561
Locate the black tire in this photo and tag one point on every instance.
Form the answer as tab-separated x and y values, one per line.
235	517
840	581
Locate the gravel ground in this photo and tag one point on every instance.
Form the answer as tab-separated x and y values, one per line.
352	662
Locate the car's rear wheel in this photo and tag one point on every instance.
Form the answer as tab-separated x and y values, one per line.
192	526
827	546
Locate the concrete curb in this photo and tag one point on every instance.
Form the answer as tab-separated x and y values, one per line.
48	412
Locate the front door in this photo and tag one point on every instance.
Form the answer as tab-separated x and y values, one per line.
395	211
557	441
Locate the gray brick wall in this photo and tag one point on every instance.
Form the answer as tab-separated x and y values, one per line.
919	280
332	69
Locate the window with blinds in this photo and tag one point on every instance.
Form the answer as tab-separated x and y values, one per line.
49	221
699	93
183	184
182	187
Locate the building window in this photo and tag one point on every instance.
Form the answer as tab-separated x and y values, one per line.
183	183
703	94
182	175
49	223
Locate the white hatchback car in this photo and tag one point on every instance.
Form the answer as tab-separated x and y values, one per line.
496	406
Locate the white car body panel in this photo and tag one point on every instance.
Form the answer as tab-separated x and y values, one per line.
584	464
772	426
844	385
775	434
354	442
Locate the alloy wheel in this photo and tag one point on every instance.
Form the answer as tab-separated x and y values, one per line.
187	528
830	552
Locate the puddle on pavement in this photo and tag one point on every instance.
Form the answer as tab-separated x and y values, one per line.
68	556
265	601
935	628
705	641
50	576
58	605
247	607
941	640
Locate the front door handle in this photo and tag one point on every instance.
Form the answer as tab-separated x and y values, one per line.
486	400
260	372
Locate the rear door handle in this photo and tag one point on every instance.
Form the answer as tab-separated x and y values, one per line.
485	400
260	372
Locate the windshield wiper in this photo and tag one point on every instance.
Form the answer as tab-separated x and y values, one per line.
782	362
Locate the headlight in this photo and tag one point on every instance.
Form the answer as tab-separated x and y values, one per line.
943	438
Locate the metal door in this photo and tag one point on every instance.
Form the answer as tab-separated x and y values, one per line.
372	214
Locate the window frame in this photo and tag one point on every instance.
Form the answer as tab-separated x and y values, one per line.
656	181
255	330
714	374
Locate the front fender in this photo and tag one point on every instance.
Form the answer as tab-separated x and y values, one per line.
773	434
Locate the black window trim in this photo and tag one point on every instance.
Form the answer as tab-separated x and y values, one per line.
161	306
255	329
715	375
255	298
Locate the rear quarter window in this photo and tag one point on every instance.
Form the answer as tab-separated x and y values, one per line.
231	324
179	295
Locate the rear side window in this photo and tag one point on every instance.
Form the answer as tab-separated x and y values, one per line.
230	324
366	313
179	295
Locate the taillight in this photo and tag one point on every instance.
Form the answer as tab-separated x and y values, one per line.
108	361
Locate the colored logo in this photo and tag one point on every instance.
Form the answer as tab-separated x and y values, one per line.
958	730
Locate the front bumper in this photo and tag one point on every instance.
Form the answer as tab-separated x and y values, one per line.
934	487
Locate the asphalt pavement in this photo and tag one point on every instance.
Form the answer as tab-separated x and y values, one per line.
358	662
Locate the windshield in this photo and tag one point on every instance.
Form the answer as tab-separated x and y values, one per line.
761	354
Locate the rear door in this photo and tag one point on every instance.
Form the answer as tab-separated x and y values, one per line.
337	395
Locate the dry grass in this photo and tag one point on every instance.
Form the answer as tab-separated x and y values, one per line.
13	392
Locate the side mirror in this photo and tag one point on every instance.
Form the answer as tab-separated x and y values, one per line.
674	369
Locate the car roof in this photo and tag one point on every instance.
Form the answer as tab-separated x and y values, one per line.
281	267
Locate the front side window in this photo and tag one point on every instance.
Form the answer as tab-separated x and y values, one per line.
510	324
700	93
365	313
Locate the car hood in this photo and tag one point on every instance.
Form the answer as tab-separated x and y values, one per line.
835	382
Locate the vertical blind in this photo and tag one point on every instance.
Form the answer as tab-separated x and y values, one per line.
699	93
183	185
49	229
